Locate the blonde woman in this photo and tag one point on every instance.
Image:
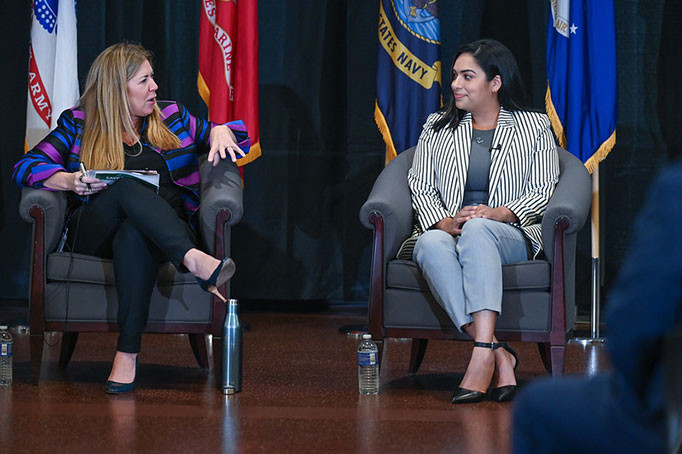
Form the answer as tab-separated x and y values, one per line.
119	124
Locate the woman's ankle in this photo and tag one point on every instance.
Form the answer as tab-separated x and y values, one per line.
123	367
504	368
480	370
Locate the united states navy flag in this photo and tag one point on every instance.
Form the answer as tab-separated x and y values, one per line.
408	70
581	70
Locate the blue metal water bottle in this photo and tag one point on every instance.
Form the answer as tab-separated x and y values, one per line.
232	349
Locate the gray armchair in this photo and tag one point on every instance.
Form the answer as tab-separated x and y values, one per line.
538	297
75	293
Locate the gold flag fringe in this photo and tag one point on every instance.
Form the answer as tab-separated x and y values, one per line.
598	156
254	153
601	152
204	91
554	118
385	132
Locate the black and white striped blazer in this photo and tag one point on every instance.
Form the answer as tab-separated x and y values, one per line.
524	168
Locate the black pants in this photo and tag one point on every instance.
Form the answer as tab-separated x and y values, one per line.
136	227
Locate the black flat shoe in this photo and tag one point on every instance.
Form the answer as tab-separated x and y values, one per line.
503	393
467	396
222	273
113	387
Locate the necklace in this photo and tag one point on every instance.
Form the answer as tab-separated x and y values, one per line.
133	155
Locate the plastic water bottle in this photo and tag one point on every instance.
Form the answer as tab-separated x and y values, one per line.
368	366
5	356
232	350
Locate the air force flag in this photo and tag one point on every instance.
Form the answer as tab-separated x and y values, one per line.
408	70
581	71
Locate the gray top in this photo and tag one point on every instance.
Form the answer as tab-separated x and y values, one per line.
476	188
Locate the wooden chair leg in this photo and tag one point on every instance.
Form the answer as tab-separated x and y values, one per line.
69	339
417	356
558	354
544	349
198	343
37	341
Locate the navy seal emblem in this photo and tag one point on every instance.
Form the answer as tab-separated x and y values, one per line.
419	17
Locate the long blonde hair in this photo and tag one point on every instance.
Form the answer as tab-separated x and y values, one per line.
107	111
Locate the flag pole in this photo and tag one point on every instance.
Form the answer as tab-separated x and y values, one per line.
596	248
596	275
594	337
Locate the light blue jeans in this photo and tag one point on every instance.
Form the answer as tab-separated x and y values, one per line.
464	273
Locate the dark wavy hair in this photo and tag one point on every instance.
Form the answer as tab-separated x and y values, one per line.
495	60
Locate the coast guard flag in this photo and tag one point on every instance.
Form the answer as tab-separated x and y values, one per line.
228	65
581	71
408	71
53	66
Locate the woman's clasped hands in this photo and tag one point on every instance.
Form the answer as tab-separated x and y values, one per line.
223	143
453	225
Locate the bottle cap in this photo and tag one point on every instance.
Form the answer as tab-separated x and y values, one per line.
366	336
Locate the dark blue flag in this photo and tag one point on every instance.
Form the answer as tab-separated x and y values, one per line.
581	71
408	70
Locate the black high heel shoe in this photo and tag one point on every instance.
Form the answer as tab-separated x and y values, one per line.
113	387
505	393
222	273
468	396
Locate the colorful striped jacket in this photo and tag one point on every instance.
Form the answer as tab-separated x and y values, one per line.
60	150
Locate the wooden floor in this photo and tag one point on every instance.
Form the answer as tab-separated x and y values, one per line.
299	395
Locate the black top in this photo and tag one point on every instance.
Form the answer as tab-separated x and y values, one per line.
148	159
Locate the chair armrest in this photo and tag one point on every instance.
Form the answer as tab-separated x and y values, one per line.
571	200
53	205
221	189
390	197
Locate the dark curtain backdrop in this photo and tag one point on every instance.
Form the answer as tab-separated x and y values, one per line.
300	238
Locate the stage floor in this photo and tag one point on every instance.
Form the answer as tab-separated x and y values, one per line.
299	395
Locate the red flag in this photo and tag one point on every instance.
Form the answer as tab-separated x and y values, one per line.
228	65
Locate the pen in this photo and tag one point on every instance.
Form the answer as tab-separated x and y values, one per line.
84	174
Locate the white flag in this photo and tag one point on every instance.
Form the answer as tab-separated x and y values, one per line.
53	66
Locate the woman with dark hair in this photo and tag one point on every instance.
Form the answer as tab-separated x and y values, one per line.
119	124
483	172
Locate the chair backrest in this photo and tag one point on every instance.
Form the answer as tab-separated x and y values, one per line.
404	159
